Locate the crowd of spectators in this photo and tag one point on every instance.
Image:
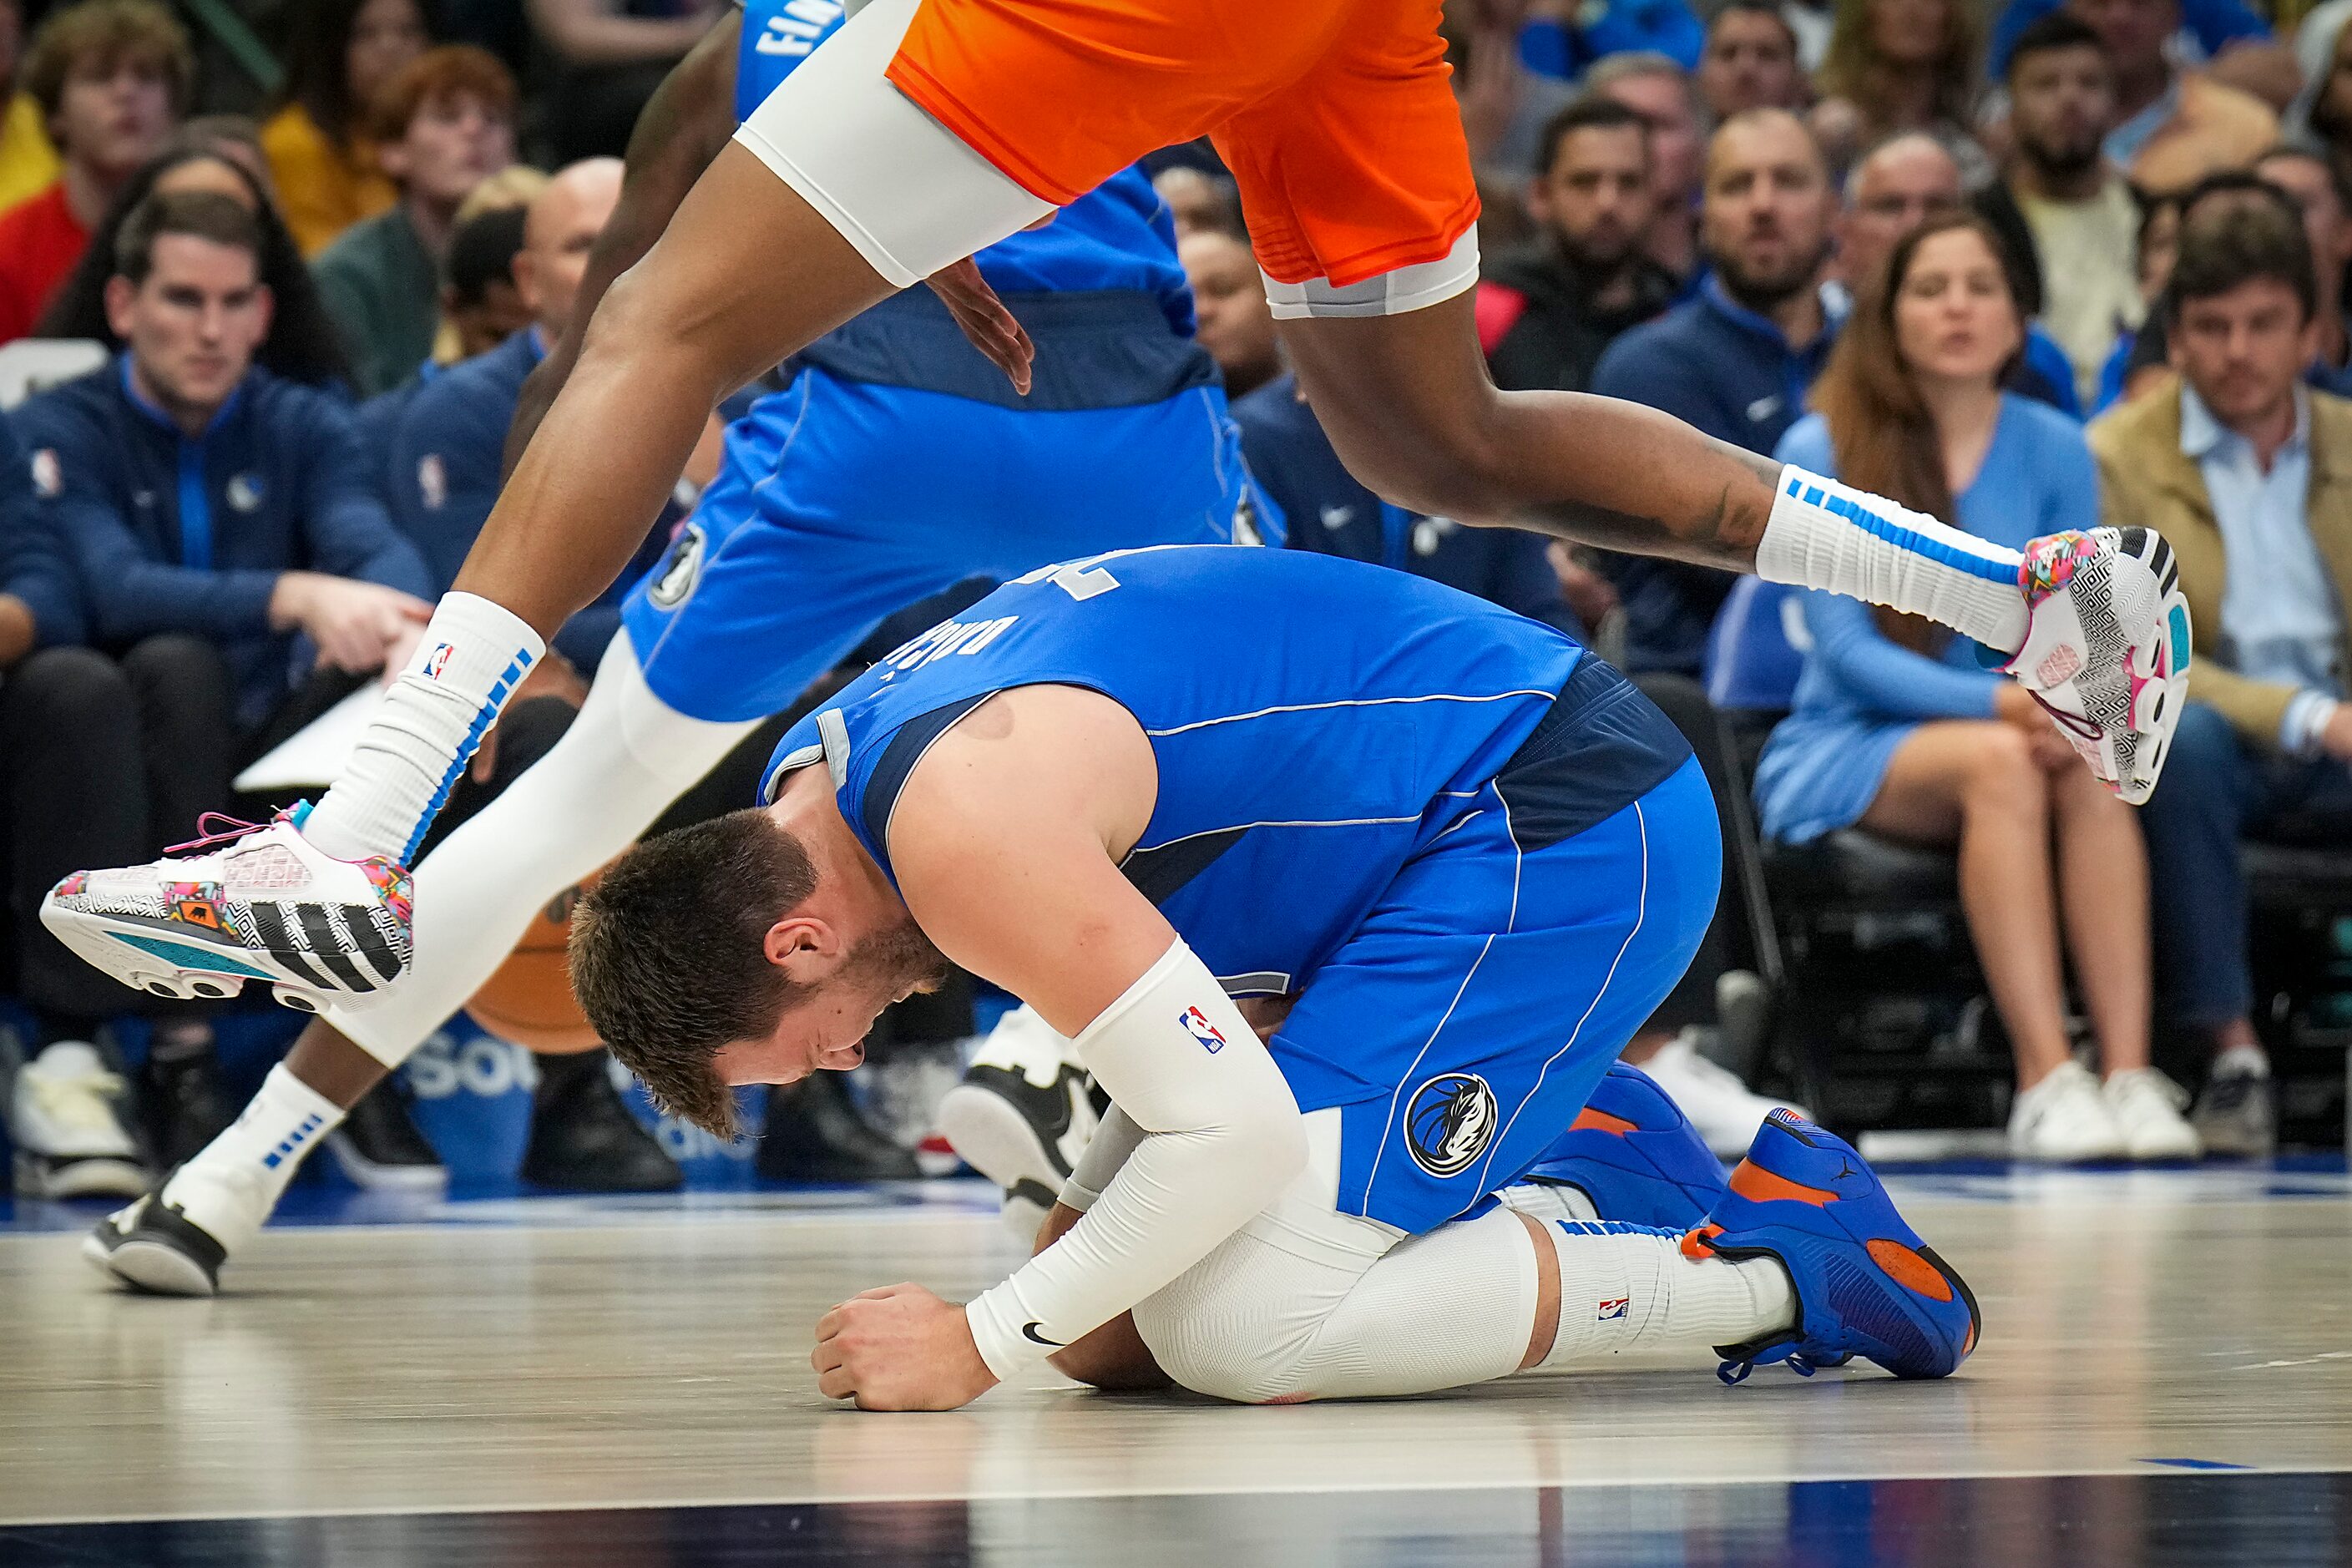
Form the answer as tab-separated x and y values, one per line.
1911	243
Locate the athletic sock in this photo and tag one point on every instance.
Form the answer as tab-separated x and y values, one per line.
2241	1061
1629	1288
1823	535
1548	1200
474	653
233	1183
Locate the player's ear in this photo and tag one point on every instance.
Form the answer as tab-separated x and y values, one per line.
804	948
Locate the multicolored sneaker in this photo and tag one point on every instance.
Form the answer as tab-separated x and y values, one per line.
246	901
2106	648
1866	1285
1635	1155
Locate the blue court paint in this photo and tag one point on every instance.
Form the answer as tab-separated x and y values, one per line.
2197	1464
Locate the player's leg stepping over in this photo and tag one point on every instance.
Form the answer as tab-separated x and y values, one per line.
1866	1284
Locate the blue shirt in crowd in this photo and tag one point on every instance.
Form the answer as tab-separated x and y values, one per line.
2212	24
1328	511
1728	370
33	564
175	533
1861	692
1566	49
444	471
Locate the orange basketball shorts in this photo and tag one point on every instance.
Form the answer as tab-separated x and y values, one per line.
1336	116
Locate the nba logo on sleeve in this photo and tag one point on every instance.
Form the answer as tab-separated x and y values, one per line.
1614	1310
1197	1022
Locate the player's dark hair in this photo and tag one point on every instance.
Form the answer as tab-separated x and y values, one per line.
200	215
2222	249
668	959
2047	35
1589	112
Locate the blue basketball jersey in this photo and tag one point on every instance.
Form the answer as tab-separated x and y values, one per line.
1315	721
1116	237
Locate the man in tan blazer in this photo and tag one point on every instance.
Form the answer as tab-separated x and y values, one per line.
2249	474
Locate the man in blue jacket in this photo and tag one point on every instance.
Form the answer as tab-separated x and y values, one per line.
235	563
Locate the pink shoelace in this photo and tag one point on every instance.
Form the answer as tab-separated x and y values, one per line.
210	835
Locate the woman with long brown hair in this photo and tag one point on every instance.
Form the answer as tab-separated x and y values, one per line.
1902	65
1902	731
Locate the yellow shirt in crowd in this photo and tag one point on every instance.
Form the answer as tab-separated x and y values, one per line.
28	163
323	188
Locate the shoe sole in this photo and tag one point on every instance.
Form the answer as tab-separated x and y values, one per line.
154	1268
376	1176
84	1178
115	945
994	1138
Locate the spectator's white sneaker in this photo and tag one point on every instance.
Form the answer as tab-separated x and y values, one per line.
1022	1117
2237	1113
69	1137
252	902
2147	1107
1723	1110
2064	1119
2106	648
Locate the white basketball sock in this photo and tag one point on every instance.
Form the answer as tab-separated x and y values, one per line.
1626	1288
473	655
1548	1200
233	1183
1823	535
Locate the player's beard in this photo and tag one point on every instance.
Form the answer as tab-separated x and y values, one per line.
895	961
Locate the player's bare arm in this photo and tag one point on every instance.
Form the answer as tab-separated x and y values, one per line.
1006	841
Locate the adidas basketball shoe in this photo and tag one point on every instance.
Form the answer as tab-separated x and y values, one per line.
2106	648
247	901
1635	1156
1866	1285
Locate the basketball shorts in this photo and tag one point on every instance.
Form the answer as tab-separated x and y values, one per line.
841	502
1462	1025
1337	118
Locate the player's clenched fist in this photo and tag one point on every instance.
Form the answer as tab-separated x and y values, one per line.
898	1348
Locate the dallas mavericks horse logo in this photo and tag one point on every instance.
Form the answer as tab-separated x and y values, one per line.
674	579
1448	1122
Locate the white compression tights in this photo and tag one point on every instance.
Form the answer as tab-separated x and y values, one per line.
624	759
1308	1303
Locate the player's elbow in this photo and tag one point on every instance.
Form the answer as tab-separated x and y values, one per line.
1456	468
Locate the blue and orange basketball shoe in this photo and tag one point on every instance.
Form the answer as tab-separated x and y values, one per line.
1635	1155
1866	1285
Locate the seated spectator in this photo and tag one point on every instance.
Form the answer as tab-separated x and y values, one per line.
480	306
610	56
301	344
69	1142
1735	359
455	339
446	460
2125	374
1750	61
444	124
1235	325
1547	309
1504	104
1902	65
1662	92
2079	211
341	54
2173	127
1897	186
28	161
2248	473
1568	43
214	513
2208	28
1331	513
1899	729
110	77
1199	200
2310	180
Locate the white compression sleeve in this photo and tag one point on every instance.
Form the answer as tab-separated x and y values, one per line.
623	760
1823	535
1107	1152
474	653
1222	1138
